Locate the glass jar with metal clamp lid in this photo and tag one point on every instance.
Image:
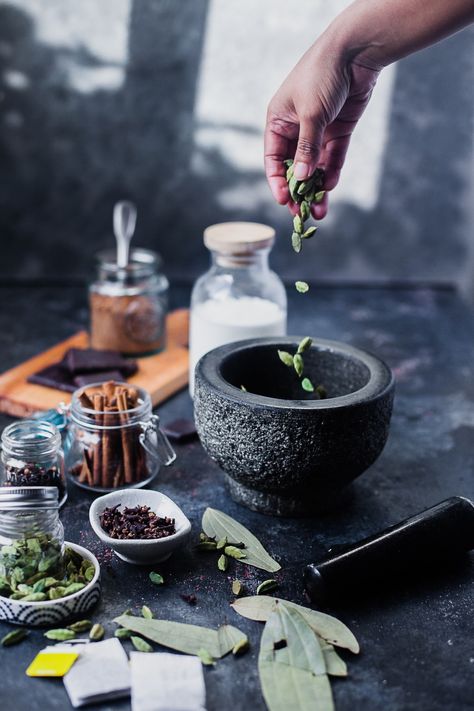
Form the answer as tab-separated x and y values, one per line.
113	439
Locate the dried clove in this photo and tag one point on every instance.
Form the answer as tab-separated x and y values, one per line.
138	522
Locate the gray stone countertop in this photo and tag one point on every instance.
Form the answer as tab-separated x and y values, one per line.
417	649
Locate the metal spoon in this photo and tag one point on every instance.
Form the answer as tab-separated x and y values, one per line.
125	219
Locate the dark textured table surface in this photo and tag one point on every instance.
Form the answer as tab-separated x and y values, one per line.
417	648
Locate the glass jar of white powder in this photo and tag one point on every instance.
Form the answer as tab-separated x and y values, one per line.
240	296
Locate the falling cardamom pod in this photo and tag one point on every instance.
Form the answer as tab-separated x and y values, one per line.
296	242
301	286
156	578
307	385
286	358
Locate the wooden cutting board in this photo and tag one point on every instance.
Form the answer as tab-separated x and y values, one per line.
161	375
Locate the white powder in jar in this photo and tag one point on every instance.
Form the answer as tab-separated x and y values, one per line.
215	323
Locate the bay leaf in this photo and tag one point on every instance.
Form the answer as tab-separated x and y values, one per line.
291	664
216	523
182	637
260	607
335	666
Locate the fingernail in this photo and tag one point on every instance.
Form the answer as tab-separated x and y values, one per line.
301	171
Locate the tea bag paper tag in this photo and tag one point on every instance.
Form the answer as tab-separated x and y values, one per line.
101	673
167	682
52	661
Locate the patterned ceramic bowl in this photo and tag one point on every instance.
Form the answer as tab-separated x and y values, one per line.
54	612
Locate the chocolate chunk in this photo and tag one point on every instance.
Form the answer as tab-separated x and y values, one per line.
87	360
100	377
54	376
180	430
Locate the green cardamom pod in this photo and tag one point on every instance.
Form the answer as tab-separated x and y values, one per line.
309	232
318	197
73	588
80	626
307	385
298	364
206	546
222	563
267	585
236	587
286	358
302	287
56	593
296	242
243	388
97	632
289	173
60	635
322	392
146	612
305	186
298	224
222	543
140	644
206	658
293	188
234	552
240	647
156	578
304	344
305	211
89	574
35	597
123	633
288	162
14	637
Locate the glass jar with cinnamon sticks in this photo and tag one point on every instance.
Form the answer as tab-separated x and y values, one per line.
114	438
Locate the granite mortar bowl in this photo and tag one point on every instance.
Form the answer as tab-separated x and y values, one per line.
284	452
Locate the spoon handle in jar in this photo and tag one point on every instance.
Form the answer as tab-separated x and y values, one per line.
125	219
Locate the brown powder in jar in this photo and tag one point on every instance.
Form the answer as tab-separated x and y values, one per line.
132	325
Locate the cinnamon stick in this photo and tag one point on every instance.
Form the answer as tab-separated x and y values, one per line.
98	401
127	440
109	466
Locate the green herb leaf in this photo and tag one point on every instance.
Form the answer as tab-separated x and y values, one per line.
146	612
302	287
184	638
140	644
222	563
206	658
96	633
307	385
266	586
156	578
332	630
291	665
298	364
60	635
296	242
286	358
219	524
14	637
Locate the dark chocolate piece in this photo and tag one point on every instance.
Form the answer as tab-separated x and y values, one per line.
87	360
54	376
180	430
100	377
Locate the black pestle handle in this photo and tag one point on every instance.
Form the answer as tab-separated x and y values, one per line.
440	533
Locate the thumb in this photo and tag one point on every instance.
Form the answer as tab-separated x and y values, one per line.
309	146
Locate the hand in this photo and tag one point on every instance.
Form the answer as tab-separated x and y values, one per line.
312	117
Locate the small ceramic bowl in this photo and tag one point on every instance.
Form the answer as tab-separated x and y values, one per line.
54	612
141	551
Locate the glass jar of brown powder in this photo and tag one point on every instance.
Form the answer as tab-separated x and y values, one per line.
128	306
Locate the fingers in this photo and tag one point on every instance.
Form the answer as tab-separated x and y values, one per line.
320	209
276	150
309	146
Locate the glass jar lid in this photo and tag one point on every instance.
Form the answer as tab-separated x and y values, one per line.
238	238
28	497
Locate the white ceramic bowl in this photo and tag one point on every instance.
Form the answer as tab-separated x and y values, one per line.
142	551
54	612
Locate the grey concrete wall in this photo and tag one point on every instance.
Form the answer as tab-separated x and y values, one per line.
163	102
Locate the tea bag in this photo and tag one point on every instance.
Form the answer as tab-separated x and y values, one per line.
167	682
101	673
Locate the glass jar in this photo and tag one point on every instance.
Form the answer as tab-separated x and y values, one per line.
32	455
114	450
240	296
31	536
128	306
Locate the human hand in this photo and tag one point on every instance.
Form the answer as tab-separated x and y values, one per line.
312	117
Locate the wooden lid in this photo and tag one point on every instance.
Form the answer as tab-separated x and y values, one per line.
238	237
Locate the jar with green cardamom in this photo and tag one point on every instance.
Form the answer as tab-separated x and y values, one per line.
31	541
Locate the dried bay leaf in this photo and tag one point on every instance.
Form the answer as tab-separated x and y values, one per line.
218	524
335	666
182	637
260	607
291	664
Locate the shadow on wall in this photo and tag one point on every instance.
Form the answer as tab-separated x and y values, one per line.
67	156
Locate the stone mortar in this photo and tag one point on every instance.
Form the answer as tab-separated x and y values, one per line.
285	453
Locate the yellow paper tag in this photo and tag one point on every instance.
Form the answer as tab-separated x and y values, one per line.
51	663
